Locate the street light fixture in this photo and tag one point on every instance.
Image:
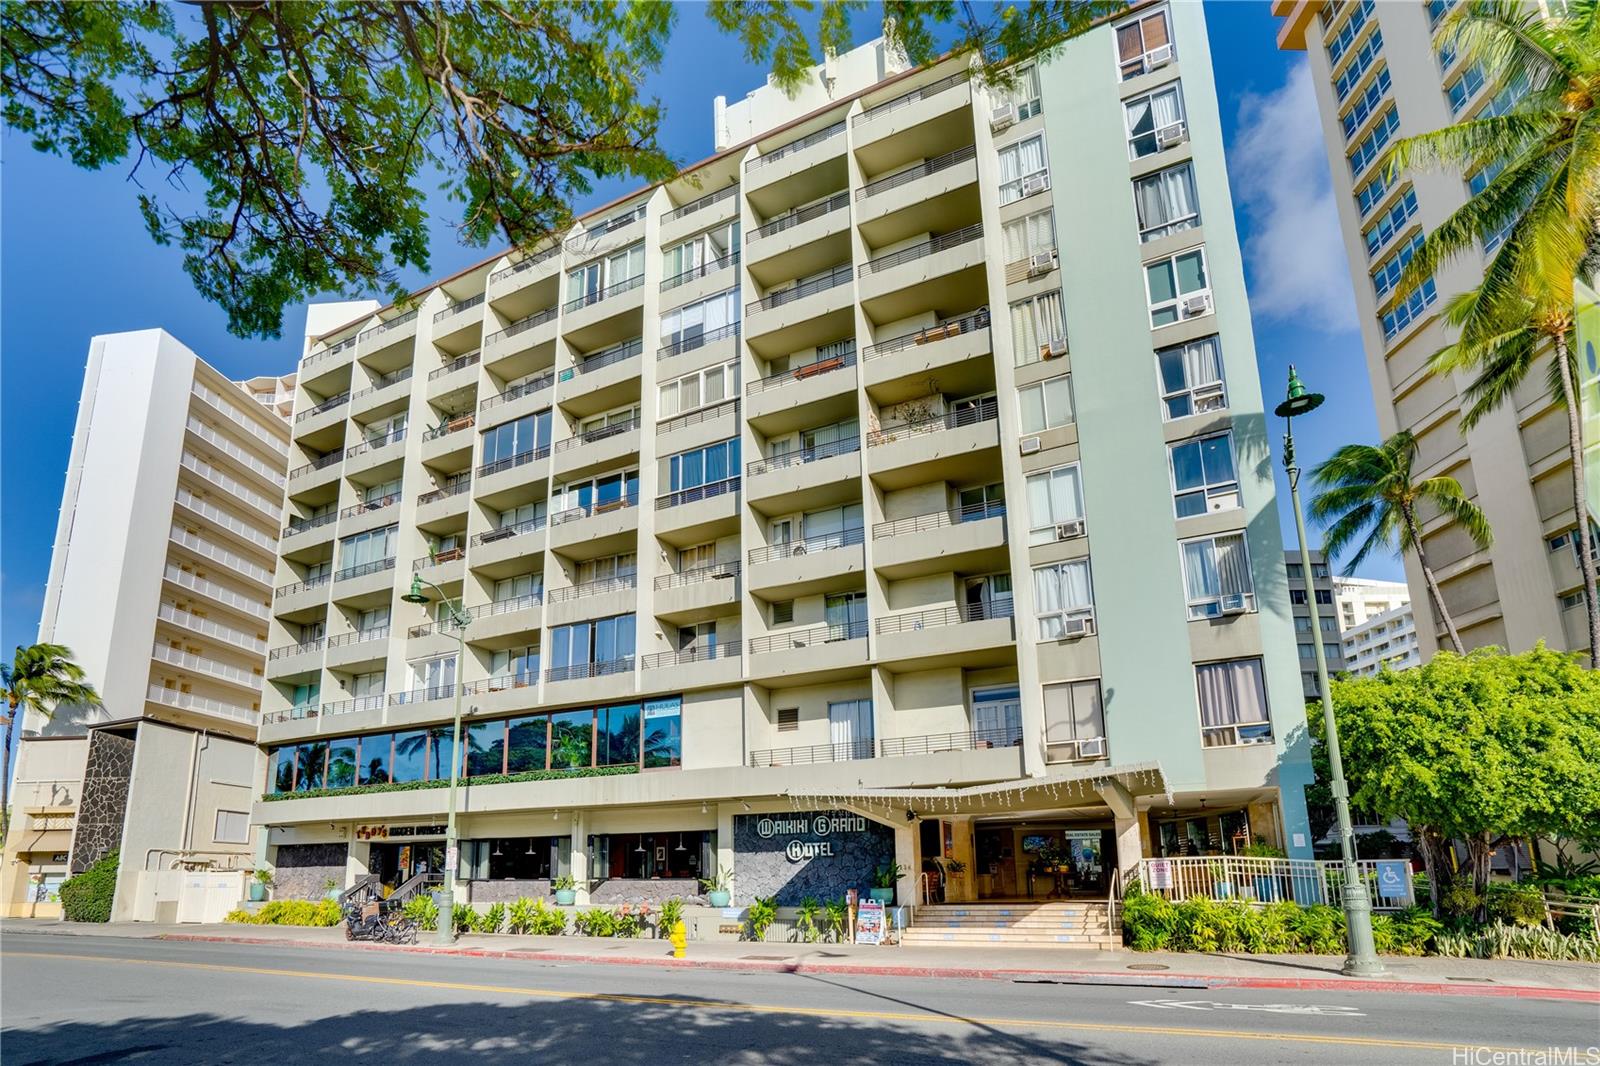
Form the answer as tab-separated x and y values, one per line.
1362	960
459	618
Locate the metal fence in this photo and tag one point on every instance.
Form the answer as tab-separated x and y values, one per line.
1263	880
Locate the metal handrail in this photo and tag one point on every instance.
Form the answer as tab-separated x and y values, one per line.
516	392
522	325
512	461
710	266
516	529
359	636
368	506
620	583
710	490
273	474
403	374
302	586
363	569
694	418
501	683
527	264
228	635
459	363
573	514
393	323
987	411
296	649
944	241
920	170
839	275
588	298
922	92
811	754
964	740
449	555
327	353
451	425
800	456
189	701
714	572
579	670
809	636
321	463
509	606
939	617
374	443
279	445
690	655
820	365
699	340
232	485
454	485
604	357
789	549
326	405
979	319
295	526
615	429
219	593
422	695
790	219
970	512
705	201
796	146
217	553
456	308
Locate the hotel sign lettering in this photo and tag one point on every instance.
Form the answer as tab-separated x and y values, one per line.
797	828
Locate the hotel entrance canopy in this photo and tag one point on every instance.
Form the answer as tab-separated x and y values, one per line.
1074	787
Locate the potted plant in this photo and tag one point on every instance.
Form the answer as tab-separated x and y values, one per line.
884	880
259	885
718	893
1223	888
955	871
566	890
1266	885
330	889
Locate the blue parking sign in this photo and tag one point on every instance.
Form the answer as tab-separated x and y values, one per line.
1394	879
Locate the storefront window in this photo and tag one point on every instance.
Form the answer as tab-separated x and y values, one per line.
619	734
374	760
410	756
486	748
570	735
509	859
313	760
529	741
441	745
663	733
283	770
342	763
642	856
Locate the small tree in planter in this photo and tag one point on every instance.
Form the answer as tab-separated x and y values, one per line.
718	892
884	880
259	884
565	889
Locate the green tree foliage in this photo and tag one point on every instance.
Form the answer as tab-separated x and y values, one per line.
1481	748
288	149
88	896
40	678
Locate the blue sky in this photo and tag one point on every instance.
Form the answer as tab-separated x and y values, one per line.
75	261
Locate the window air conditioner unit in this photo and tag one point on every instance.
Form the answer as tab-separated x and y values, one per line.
1035	183
1172	133
1076	627
1001	117
1092	749
1157	58
1069	530
1198	304
1225	501
1054	348
1030	445
1235	603
1041	263
1209	398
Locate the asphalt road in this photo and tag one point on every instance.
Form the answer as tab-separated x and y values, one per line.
73	1001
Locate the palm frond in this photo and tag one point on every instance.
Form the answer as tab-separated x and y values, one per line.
1447	495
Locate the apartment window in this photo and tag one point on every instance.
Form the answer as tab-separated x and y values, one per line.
588	281
1144	43
1025	95
707	386
1204	477
381	491
1161	110
534	513
1349	32
1191	378
1022	166
522	436
1038	326
515	588
1358	66
619	420
1063	599
577	650
383	427
436	676
1216	576
1029	236
1463	87
980	502
624	565
1365	104
1361	156
1302	624
520	664
683	327
598	495
1074	721
788	719
1407	311
710	465
371	619
850	728
782	612
232	827
368	684
1298	597
1233	703
1166	202
1571	601
1388	272
1372	193
1055	500
1046	404
1174	287
845	615
828	528
1475	185
699	250
1391	222
373	546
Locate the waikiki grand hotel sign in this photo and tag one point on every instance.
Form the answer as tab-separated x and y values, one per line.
808	853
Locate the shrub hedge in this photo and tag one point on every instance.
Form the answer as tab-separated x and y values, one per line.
1152	923
476	779
322	912
87	897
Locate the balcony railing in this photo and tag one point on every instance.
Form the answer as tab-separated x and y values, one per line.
236	453
316	358
287	650
511	462
302	586
233	560
262	539
801	456
728	571
439	558
921	170
527	264
941	243
459	363
789	220
372	444
620	583
502	683
796	146
697	340
457	308
603	358
920	93
811	754
359	636
954	327
237	416
190	702
532	385
422	695
507	606
826	362
579	670
809	636
392	324
809	546
840	275
200	664
698	492
939	617
971	512
614	429
371	702
326	405
454	485
598	507
701	204
319	463
968	740
694	418
522	325
233	486
454	425
986	411
185	620
403	374
213	591
516	529
377	566
368	506
588	298
690	655
710	266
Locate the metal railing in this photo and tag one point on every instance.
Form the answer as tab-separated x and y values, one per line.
457	308
392	324
588	298
597	507
811	754
449	555
262	539
971	512
703	202
922	92
708	491
939	617
698	340
822	364
236	453
964	740
213	591
422	695
1261	881
368	506
580	670
299	712
511	462
845	538
690	655
452	425
614	429
403	374
296	649
943	242
454	485
801	456
372	444
236	415
327	353
201	664
190	702
237	637
694	418
710	266
527	264
921	170
320	463
985	411
233	486
516	529
796	146
728	571
359	636
954	327
800	215
522	325
515	392
377	566
302	586
809	636
840	275
234	561
458	363
329	404
507	606
599	587
604	357
501	683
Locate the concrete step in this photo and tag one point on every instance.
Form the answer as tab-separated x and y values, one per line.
990	938
1012	909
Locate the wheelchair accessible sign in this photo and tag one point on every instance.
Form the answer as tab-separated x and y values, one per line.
1394	879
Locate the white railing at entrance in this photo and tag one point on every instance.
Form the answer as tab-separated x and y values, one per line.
1258	880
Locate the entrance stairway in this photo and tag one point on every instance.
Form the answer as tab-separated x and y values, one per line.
1052	924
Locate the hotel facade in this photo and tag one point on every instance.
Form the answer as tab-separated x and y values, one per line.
892	486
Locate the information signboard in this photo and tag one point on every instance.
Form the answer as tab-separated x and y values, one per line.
869	923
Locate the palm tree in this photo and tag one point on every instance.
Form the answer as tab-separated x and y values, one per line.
1366	488
1541	202
39	678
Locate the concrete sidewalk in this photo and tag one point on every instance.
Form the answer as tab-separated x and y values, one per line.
1478	977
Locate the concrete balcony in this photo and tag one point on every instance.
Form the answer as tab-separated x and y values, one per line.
420	706
602	380
439	506
969	635
699	214
834	562
390	391
803	170
692	516
521	616
813	312
291	660
543	266
322	416
935	195
698	428
370	514
596	682
512	472
325	363
315	474
361	714
374	580
301	534
596	531
373	453
800	242
707	279
718	666
518	400
522	335
592	599
698	595
202	712
355	648
816	393
958	352
298	596
452	440
251	609
459	327
605	316
395	333
958	447
958	540
934	113
599	449
508	544
806	478
459	375
945	271
809	655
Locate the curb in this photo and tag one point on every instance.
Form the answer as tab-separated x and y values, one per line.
971	973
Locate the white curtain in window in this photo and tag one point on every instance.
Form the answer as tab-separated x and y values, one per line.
1072	712
1018	160
1035	322
1033	235
1063	587
1232	693
1233	565
1200	571
1164	108
1202	361
1165	197
1054	496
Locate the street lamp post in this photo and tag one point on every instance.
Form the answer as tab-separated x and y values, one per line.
446	926
1362	960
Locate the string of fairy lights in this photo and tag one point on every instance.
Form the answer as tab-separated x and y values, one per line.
1059	790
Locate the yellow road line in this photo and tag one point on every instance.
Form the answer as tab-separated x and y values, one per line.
759	1008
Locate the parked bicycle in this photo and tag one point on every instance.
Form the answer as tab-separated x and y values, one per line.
375	921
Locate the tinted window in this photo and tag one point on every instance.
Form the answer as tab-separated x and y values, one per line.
486	748
342	763
528	741
410	755
375	759
570	736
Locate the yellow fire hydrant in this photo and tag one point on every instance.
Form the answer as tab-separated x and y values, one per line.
680	941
